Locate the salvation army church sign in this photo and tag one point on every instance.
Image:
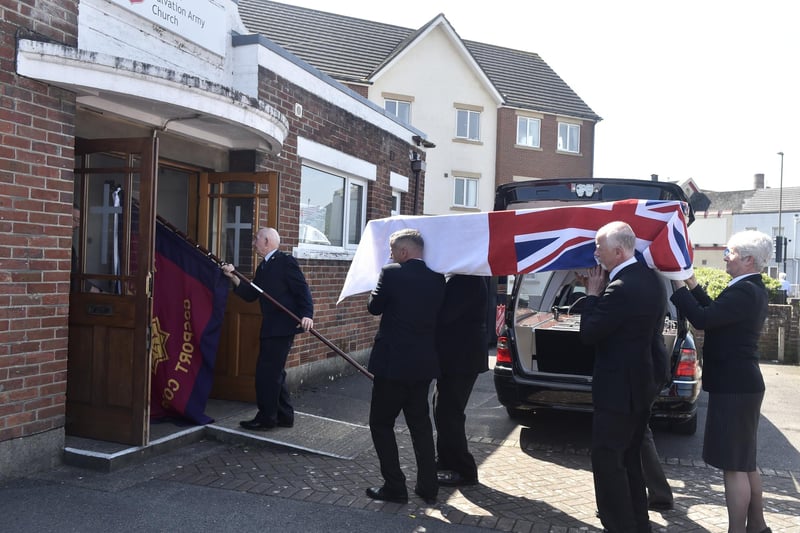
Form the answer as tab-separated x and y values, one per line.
199	21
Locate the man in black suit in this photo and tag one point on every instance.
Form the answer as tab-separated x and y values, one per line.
624	320
462	344
404	362
279	276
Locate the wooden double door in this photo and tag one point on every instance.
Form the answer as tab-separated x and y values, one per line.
117	192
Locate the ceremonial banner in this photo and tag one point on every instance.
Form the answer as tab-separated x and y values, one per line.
189	297
500	243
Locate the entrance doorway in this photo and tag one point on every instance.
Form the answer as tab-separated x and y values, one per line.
120	185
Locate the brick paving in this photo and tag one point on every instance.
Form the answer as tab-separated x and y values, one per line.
532	489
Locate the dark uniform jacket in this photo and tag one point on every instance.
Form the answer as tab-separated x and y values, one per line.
281	278
462	338
408	298
626	324
732	324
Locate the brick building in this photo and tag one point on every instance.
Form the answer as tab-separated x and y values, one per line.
131	109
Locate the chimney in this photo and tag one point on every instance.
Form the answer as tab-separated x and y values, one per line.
653	177
758	182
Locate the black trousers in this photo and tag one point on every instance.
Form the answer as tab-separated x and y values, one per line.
389	398
272	395
449	403
619	485
658	489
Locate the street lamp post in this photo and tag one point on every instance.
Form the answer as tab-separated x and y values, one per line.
794	250
780	212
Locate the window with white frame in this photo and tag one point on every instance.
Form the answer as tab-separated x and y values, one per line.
528	131
465	192
569	137
468	124
399	108
332	208
396	202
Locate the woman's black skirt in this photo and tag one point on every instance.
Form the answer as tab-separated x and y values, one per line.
731	435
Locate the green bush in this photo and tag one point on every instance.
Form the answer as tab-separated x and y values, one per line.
715	280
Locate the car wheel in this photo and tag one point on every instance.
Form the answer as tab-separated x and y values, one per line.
685	427
518	414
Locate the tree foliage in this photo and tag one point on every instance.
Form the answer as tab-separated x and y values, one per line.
715	280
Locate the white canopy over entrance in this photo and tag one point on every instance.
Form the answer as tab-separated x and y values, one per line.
157	97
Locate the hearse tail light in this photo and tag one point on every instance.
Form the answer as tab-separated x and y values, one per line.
687	366
503	353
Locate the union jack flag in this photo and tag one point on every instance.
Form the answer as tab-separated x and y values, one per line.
500	243
563	238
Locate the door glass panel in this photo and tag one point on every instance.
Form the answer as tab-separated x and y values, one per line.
237	234
173	196
105	264
231	223
104	230
234	215
238	187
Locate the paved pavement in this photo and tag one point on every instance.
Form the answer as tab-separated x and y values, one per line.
229	482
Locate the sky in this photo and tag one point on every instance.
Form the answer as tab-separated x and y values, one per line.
702	89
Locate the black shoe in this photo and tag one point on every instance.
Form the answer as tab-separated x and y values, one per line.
256	425
430	500
285	423
449	478
660	506
379	493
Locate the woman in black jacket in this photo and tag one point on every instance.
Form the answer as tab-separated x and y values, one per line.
731	375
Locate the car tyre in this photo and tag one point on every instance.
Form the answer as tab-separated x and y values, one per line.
685	427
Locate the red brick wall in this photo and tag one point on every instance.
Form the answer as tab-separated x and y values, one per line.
348	325
36	184
36	160
544	162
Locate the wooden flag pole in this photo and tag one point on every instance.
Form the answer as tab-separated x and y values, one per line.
277	304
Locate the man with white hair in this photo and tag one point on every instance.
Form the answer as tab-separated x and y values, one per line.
279	276
623	317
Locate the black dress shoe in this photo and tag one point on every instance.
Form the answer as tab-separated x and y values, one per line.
449	478
379	493
255	425
285	423
430	500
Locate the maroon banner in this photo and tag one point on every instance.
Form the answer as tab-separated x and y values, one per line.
189	297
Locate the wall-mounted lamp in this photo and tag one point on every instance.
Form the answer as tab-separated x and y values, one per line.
417	166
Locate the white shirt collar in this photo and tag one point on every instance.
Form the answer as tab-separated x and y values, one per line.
740	278
619	267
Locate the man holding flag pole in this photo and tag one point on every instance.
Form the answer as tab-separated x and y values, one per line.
280	276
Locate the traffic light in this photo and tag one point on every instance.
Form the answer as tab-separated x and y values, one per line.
779	248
